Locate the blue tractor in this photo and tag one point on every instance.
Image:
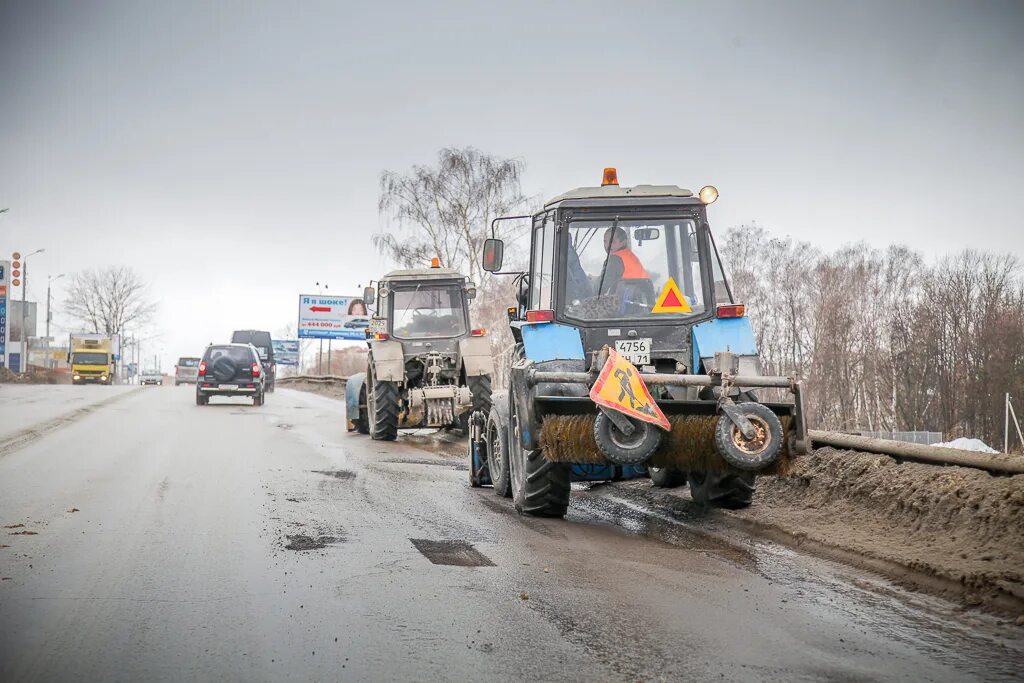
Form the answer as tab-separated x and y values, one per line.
631	357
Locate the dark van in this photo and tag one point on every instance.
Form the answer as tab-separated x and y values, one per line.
261	340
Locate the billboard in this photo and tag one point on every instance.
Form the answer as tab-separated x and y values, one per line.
322	316
286	351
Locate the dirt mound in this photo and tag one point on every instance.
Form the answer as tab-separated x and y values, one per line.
953	522
34	376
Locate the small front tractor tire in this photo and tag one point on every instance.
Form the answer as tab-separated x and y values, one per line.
752	454
496	435
732	491
362	423
383	409
622	449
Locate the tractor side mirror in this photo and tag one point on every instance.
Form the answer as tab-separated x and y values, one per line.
470	290
494	250
368	295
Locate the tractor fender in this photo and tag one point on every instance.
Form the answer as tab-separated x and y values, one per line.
726	334
388	360
475	353
353	388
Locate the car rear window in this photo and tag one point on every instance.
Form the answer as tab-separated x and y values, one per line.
188	362
238	354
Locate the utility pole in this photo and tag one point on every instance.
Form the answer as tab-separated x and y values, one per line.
49	281
24	311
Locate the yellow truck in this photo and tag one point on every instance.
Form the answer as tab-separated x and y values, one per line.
91	357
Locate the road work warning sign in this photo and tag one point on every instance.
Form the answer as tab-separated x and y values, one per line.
620	388
671	300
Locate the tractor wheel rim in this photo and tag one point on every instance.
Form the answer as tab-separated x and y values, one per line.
756	445
628	442
493	452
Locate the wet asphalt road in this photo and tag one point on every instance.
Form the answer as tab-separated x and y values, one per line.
238	543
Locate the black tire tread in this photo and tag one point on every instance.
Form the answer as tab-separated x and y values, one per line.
385	417
498	419
546	487
730	490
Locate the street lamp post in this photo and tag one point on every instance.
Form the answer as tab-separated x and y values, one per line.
24	310
46	342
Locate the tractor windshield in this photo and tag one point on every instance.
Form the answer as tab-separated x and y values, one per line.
429	311
633	269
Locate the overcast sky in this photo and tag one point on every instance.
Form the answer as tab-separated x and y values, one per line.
230	152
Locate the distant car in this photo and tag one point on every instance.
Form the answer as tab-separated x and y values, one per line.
151	377
230	370
186	371
264	346
357	323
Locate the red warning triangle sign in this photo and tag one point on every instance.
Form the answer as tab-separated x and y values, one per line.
671	300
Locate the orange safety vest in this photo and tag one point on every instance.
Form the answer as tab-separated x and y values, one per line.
632	269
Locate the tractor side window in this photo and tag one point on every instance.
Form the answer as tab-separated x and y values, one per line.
723	292
543	260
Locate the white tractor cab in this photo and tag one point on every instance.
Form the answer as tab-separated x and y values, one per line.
632	357
427	366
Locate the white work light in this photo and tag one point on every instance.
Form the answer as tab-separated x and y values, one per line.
708	194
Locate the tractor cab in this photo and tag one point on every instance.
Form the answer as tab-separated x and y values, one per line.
633	268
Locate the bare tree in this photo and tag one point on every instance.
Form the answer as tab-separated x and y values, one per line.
109	299
446	210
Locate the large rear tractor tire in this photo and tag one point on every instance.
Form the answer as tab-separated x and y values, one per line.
383	409
666	477
729	491
540	488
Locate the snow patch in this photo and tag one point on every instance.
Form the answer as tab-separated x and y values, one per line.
965	444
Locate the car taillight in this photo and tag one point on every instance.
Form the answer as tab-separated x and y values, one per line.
732	311
478	333
255	369
542	316
381	336
202	368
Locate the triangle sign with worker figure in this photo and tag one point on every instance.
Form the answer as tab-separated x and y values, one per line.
671	300
620	387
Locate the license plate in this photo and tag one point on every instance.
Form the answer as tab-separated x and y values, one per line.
228	387
636	351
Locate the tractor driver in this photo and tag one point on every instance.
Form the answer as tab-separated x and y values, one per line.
621	264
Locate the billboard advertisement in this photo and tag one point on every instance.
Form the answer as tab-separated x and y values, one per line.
286	351
322	316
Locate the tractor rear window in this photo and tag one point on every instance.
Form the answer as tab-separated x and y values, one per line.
633	269
429	312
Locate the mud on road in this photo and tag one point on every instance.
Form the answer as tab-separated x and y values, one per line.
955	531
